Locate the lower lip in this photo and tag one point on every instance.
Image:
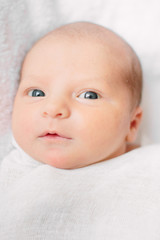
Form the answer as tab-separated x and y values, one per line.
56	138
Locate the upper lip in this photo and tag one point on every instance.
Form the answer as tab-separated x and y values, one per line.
54	133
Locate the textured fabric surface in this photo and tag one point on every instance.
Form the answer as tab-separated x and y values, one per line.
15	39
23	22
115	199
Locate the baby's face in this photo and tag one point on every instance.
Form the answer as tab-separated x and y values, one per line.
72	108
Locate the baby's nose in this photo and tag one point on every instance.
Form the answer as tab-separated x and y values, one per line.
58	109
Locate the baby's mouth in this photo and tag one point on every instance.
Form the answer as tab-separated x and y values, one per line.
53	135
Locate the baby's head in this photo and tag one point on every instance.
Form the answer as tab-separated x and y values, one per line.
78	97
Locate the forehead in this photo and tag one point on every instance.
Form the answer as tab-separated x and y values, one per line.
54	54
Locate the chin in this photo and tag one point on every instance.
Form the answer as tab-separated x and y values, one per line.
60	163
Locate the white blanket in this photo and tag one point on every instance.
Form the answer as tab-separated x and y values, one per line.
112	200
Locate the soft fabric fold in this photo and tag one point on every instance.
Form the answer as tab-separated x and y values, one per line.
118	197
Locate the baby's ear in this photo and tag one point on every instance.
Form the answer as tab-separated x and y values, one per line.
134	124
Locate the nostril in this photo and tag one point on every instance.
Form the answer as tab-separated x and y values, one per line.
59	114
56	112
45	114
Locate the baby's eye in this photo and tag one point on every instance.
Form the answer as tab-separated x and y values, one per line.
89	95
36	93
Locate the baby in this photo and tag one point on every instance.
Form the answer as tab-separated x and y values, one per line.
75	172
78	97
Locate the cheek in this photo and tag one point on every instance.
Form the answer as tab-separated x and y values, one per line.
93	126
22	120
104	126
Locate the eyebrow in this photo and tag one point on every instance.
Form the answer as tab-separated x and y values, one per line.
38	78
94	79
33	77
